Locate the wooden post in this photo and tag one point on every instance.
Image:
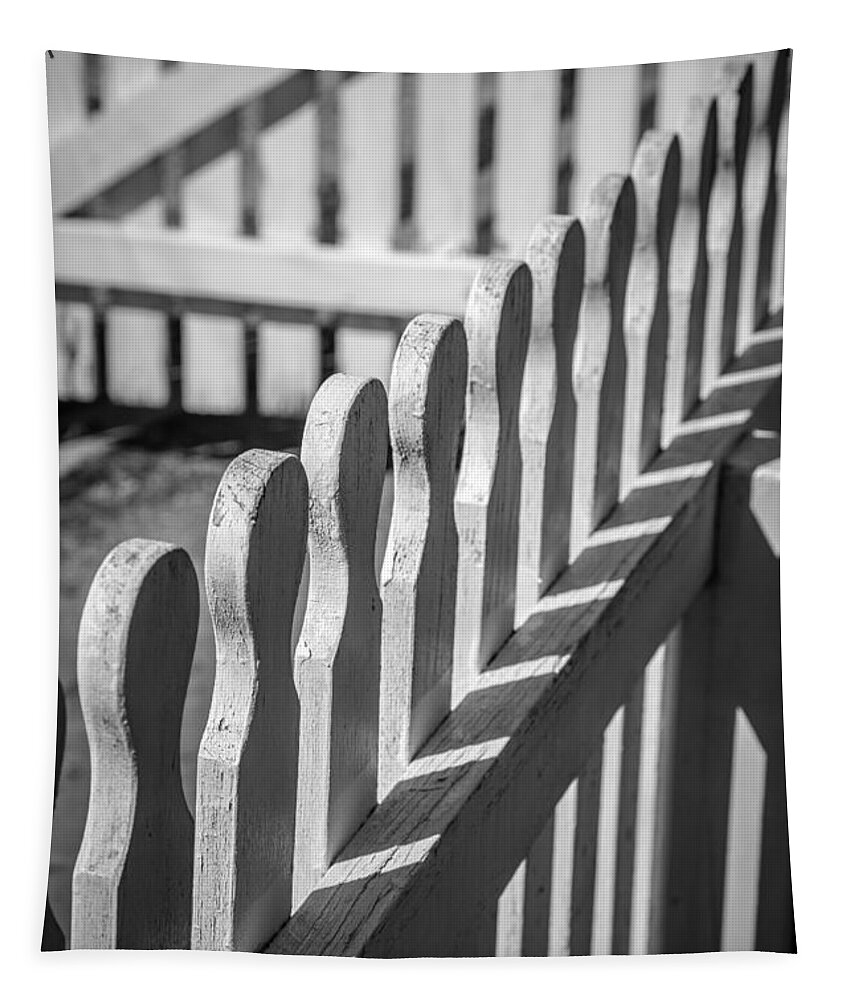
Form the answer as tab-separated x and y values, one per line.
418	580
487	84
656	177
247	763
487	500
556	259
725	662
599	372
337	661
172	168
407	128
565	140
328	194
689	265
132	884
649	84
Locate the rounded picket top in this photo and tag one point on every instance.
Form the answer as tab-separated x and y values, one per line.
556	260
132	885
609	225
247	763
487	499
599	361
656	173
429	365
338	656
419	575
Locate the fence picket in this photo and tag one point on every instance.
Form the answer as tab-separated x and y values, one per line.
689	265
599	368
487	499
132	884
755	186
556	259
585	834
775	301
247	763
656	178
337	661
725	226
418	582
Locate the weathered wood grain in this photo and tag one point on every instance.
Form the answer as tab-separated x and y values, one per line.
599	366
556	259
247	762
483	787
656	177
337	661
132	883
689	264
426	408
487	499
728	662
298	281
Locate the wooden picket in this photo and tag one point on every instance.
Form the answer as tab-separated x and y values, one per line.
454	762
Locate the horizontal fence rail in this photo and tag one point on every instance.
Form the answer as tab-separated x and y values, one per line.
179	331
429	772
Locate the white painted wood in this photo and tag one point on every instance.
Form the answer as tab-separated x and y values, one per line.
213	365
526	155
288	368
779	257
487	500
445	186
683	83
116	142
126	77
426	409
136	357
132	883
688	269
744	838
247	762
656	178
754	195
556	259
482	790
599	366
66	104
734	102
564	827
209	265
368	167
606	129
337	662
75	351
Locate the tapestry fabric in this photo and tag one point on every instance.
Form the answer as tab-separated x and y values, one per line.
419	498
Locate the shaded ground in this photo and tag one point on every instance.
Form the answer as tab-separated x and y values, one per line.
131	492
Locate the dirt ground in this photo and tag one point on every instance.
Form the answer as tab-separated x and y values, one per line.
131	492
